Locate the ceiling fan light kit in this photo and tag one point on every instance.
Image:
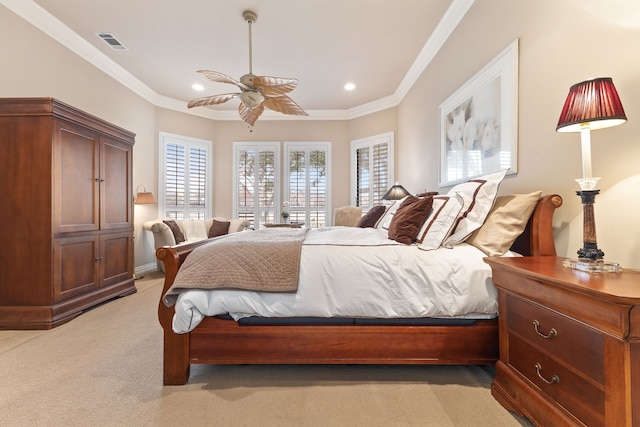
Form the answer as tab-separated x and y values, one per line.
251	99
256	92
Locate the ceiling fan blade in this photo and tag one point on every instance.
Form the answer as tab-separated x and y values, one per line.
216	76
250	115
274	86
211	100
284	104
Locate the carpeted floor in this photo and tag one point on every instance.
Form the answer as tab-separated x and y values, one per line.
104	368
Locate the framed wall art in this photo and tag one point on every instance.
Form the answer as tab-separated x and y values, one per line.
479	122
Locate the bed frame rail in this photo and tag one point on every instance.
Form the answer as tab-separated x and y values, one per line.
226	342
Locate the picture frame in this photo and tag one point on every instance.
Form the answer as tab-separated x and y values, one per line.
479	122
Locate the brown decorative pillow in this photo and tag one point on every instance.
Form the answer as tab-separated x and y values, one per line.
177	234
408	219
219	228
371	217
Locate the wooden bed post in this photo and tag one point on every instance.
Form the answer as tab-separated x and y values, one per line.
542	241
176	346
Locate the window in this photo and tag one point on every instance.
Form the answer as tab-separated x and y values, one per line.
256	172
184	177
307	187
372	169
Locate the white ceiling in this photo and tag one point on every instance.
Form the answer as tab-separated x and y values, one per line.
380	45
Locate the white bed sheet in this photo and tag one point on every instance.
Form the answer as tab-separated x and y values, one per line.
359	272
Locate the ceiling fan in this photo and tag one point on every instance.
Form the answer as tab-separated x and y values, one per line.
256	92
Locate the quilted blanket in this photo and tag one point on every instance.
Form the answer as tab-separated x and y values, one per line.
264	260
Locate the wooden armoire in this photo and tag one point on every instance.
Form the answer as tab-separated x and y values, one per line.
65	212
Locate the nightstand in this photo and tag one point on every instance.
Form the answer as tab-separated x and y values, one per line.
569	343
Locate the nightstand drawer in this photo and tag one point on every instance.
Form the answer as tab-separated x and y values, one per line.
565	339
584	399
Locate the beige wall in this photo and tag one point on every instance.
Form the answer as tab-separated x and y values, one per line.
561	42
228	132
34	65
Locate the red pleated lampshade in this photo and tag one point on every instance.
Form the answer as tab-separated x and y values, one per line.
594	102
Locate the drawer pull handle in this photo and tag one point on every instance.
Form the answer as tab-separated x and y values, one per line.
552	332
554	379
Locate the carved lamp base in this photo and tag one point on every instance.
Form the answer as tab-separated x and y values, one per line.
589	256
590	249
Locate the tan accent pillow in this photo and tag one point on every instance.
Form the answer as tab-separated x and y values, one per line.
177	233
409	217
194	229
218	228
347	216
370	219
505	222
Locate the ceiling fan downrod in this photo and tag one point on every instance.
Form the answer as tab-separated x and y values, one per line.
250	17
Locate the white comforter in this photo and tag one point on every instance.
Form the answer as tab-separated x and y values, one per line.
359	272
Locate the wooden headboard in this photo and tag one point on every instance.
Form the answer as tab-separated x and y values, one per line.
537	238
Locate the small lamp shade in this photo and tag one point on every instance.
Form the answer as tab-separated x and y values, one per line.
144	198
594	103
396	192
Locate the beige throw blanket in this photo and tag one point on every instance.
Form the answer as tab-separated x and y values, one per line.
264	260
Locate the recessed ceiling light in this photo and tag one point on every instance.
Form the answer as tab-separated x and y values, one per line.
198	87
349	86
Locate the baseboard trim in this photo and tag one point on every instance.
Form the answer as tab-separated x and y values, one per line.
147	268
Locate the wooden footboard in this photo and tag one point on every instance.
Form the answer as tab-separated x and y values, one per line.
225	342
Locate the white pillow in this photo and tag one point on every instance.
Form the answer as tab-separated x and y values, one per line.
439	222
478	195
194	229
385	221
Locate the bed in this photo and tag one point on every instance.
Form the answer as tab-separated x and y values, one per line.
305	340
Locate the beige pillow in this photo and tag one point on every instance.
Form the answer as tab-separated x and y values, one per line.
505	222
347	216
194	229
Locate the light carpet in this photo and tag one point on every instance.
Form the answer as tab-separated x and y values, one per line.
104	368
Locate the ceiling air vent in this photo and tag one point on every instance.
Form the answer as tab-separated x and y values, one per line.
112	41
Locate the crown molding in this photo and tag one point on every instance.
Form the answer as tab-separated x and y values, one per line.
47	23
50	25
450	20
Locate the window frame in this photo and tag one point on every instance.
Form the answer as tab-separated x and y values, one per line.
259	146
166	138
370	142
325	146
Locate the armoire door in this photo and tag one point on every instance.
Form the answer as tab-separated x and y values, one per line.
115	197
76	178
76	266
116	251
